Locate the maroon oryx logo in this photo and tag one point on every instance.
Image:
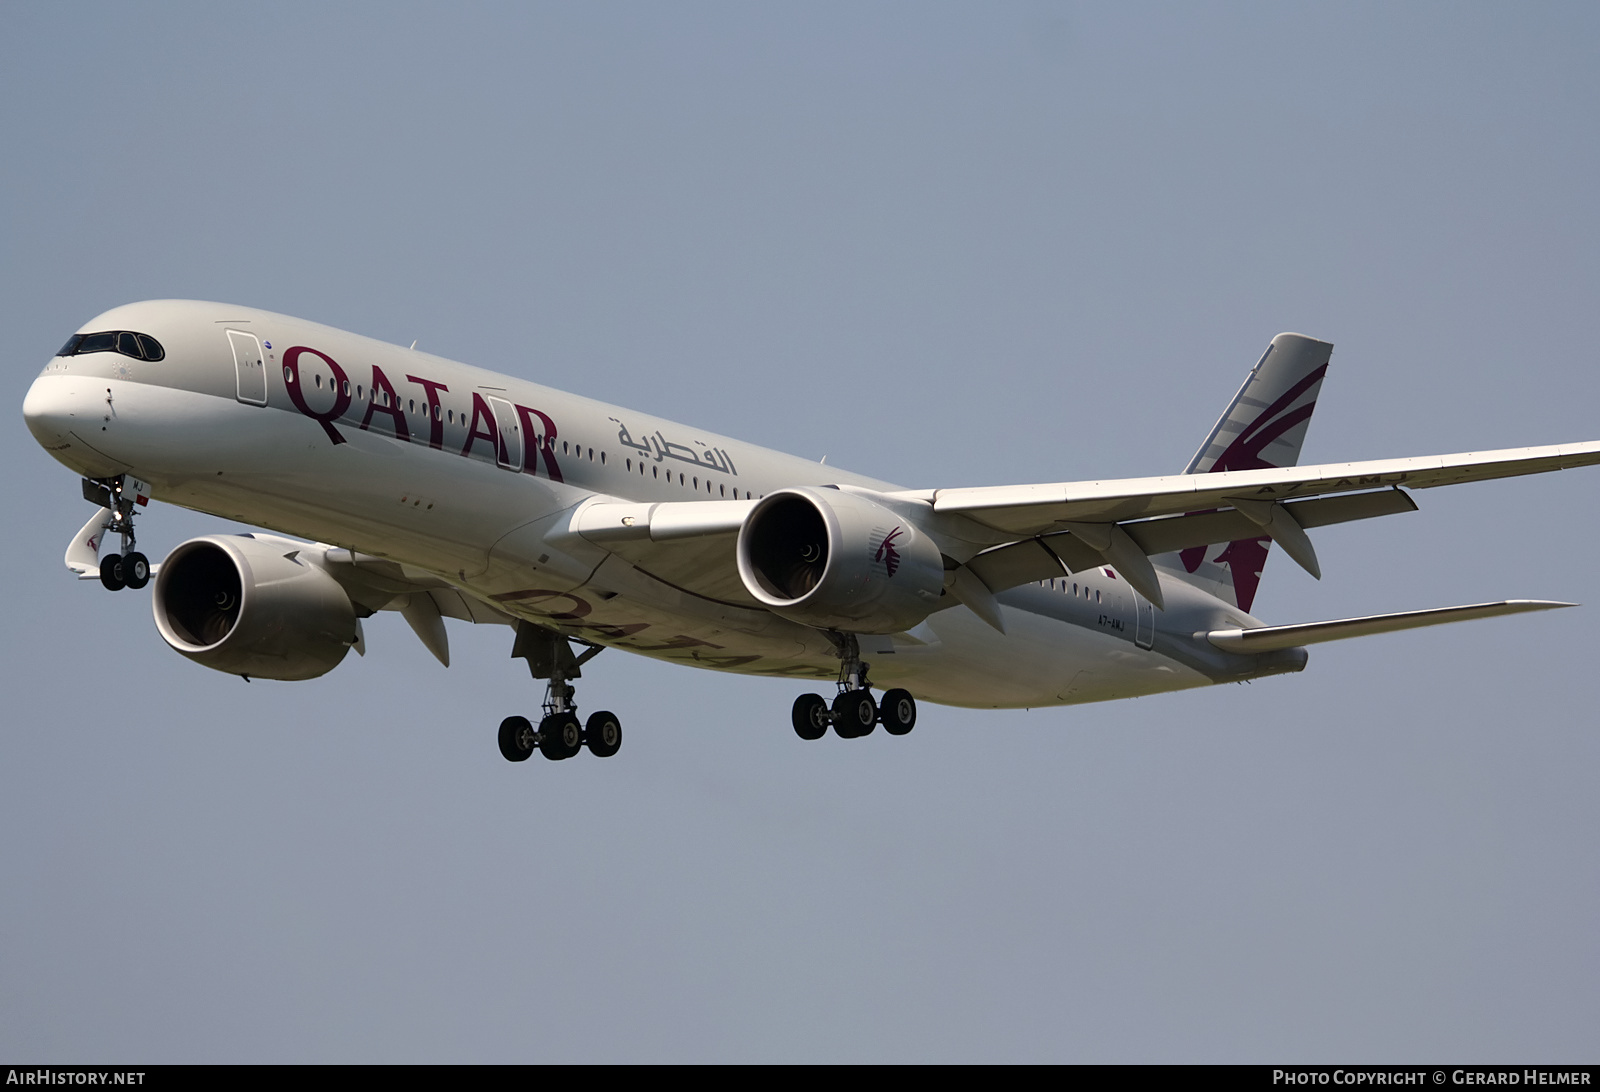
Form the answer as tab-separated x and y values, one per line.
887	553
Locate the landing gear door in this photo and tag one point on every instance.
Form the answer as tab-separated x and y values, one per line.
248	366
508	452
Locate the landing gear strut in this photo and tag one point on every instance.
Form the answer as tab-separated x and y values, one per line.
128	568
854	714
559	735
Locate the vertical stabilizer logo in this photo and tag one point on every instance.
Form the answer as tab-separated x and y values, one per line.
887	553
1246	557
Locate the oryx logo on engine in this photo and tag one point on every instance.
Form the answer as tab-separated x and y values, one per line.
887	553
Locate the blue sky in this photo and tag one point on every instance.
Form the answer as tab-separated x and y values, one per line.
940	244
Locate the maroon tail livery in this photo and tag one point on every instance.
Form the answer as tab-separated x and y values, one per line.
1264	426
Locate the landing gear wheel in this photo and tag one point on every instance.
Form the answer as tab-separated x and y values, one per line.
135	570
516	738
603	734
111	572
560	736
810	716
898	711
854	714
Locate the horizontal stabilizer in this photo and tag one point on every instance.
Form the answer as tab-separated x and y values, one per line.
1272	638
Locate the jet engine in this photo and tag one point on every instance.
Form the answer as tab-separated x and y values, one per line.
835	560
250	606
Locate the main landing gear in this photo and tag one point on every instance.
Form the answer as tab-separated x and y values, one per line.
129	568
854	714
559	734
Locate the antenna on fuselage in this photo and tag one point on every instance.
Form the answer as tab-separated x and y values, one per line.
414	343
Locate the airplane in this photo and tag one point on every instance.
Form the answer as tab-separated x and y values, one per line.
437	490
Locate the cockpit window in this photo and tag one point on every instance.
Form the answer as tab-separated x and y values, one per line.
126	342
96	343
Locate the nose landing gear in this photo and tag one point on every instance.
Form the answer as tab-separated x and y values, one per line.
116	497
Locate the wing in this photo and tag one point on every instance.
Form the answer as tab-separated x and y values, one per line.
422	599
1035	509
1040	531
686	544
1121	522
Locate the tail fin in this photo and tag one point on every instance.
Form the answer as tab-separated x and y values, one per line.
1263	426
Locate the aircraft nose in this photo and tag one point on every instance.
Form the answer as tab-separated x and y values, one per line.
55	405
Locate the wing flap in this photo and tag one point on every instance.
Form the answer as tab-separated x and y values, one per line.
1046	556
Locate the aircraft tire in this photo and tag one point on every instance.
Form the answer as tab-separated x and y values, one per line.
111	572
603	734
135	570
810	716
516	739
854	714
560	736
898	712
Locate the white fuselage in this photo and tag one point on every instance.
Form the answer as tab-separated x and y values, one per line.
472	476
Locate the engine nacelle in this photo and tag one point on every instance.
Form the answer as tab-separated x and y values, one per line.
835	560
249	606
